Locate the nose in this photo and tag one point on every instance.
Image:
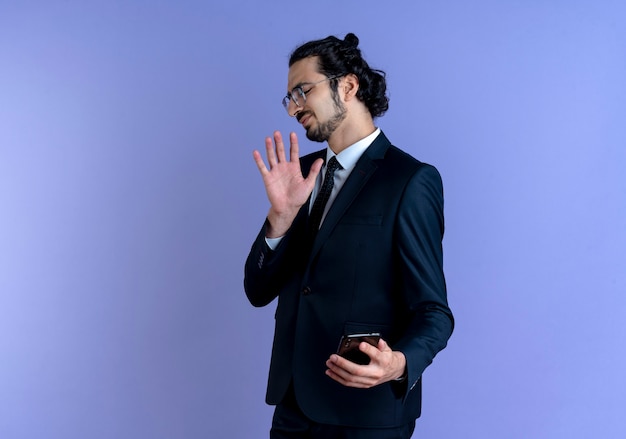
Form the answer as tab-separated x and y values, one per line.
293	105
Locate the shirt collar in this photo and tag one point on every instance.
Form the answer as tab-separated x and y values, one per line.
349	156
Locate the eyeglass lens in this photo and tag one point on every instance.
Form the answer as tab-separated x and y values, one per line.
295	95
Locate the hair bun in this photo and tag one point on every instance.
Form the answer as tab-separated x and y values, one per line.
351	40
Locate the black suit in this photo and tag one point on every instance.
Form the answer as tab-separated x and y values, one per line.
374	266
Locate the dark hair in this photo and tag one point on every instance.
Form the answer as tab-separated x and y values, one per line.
340	57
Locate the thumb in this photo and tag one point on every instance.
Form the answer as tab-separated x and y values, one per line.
314	171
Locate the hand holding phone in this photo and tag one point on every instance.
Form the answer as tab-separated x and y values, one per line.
349	346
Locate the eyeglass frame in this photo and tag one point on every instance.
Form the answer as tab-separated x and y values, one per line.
291	96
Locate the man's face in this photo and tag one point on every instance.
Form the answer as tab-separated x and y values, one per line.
323	110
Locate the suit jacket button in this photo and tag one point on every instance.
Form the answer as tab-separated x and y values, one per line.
306	291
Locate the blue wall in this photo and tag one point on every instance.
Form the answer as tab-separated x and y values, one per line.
129	199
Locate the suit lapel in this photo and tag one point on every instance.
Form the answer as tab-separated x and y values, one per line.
364	169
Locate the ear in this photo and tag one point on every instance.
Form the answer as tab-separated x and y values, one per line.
349	86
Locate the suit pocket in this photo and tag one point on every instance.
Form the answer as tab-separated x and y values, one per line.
364	220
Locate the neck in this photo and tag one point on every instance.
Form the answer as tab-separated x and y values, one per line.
349	133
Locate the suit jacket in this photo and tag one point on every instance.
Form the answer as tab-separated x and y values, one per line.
376	265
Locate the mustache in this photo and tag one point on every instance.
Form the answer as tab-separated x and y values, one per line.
301	115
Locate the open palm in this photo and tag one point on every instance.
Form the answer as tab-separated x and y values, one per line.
287	190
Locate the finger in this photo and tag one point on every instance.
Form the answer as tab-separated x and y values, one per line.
294	149
339	367
314	171
353	372
270	152
383	346
280	147
330	373
347	379
369	350
338	371
259	162
340	364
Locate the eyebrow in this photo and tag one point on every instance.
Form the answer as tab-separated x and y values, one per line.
299	85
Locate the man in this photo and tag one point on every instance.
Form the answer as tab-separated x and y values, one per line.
355	249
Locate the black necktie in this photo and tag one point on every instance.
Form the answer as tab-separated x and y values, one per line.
324	194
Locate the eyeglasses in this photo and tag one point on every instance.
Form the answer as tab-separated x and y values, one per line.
298	94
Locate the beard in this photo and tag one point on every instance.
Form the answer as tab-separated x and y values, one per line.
323	130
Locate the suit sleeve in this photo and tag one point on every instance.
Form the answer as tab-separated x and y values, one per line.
419	234
266	270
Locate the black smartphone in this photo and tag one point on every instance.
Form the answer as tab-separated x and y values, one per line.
349	346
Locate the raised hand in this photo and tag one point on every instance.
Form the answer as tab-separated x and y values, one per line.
287	190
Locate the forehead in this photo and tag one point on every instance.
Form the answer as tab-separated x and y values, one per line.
304	70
